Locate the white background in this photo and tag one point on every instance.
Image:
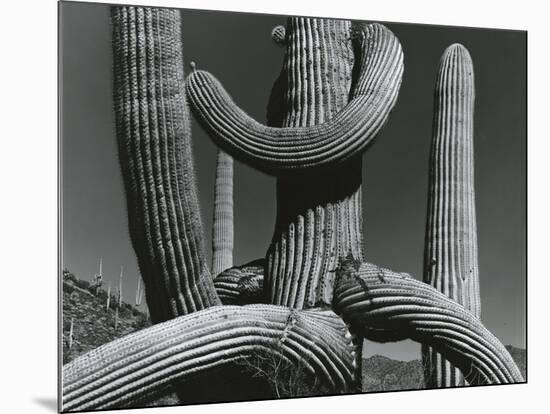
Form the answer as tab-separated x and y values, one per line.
28	170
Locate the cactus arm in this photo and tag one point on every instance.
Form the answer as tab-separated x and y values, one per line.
276	150
242	285
386	306
451	262
222	229
152	125
142	365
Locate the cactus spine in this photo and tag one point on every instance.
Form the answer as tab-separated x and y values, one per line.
451	262
154	149
222	229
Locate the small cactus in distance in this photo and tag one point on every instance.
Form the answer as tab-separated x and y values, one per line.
108	296
70	344
120	287
222	228
139	292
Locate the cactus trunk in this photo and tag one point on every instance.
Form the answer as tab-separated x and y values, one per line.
155	155
222	229
451	262
318	217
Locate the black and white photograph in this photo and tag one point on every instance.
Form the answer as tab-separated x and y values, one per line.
261	206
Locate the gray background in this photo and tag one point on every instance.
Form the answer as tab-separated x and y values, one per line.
238	50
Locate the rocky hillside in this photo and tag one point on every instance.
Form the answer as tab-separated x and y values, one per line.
93	323
385	374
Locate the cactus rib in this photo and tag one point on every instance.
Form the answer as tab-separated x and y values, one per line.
451	261
154	148
276	150
396	306
140	366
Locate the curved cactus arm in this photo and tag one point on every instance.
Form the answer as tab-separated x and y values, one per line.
451	261
142	365
242	285
222	228
276	150
386	306
154	148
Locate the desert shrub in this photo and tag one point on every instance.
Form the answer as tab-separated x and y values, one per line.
286	379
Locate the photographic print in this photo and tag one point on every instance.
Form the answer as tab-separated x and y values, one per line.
258	207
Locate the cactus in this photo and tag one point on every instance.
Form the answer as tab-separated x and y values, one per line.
222	229
98	278
144	363
70	344
387	306
139	293
108	297
163	210
333	96
450	263
242	285
323	142
120	287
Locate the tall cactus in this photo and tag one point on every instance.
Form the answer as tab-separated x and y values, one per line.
326	107
163	209
222	228
451	263
318	218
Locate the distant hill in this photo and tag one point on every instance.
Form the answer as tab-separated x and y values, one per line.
93	324
385	374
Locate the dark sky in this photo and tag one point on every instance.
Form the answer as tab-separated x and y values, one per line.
238	50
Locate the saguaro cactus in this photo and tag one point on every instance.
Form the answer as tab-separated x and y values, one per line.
319	216
139	293
222	229
108	297
163	210
327	106
70	343
450	263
